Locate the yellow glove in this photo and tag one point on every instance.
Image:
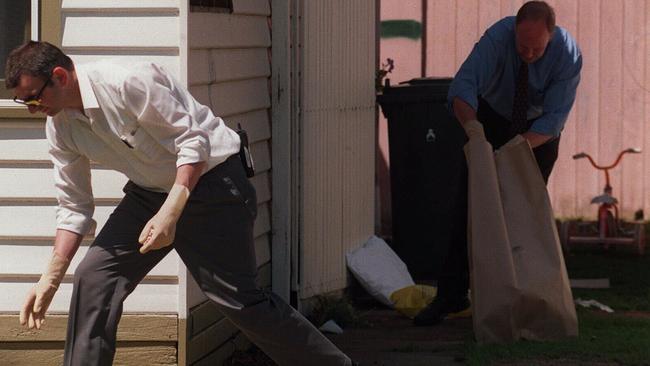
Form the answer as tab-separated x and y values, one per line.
474	129
40	296
159	232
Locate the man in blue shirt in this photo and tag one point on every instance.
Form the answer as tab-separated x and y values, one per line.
520	78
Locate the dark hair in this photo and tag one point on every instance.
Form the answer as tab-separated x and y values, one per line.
537	11
35	59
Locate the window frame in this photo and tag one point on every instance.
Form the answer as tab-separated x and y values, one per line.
45	26
212	8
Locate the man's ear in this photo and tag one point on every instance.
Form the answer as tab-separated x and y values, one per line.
61	76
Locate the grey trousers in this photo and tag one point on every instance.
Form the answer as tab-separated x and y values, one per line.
214	238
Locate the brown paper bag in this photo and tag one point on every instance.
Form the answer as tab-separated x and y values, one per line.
545	309
492	273
520	288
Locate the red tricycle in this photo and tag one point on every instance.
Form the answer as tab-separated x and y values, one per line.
609	229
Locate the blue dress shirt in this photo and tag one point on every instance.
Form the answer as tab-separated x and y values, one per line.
491	69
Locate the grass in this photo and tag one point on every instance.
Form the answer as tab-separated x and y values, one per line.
614	338
617	339
628	273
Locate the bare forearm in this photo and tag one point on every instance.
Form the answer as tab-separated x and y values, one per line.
463	111
188	175
535	139
160	231
66	243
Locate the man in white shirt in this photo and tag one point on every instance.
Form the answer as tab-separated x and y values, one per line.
187	187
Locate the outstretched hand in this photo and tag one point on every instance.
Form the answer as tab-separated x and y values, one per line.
40	296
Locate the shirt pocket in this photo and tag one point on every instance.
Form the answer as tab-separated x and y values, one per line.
144	146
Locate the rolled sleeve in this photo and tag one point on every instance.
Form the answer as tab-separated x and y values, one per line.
73	188
158	104
193	150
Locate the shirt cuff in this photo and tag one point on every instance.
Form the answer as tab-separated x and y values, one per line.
190	155
76	222
546	129
472	102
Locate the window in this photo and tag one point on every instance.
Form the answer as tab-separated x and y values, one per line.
216	6
16	23
21	21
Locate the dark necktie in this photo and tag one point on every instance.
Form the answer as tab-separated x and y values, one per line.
520	102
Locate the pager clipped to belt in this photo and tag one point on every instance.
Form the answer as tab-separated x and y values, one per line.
244	152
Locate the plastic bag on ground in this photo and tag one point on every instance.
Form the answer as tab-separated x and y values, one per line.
379	270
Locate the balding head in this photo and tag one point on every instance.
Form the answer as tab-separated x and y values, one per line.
534	28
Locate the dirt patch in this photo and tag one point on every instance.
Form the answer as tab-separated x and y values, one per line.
389	338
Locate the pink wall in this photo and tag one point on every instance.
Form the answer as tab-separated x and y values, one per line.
406	54
404	51
612	110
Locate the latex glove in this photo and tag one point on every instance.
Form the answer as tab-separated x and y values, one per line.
159	232
474	129
40	296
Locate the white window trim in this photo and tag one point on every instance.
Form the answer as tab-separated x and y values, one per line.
35	20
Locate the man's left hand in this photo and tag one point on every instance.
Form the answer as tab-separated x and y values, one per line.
159	232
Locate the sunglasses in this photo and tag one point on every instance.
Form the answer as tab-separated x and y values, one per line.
34	101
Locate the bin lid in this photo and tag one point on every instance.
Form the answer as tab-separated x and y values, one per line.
416	90
428	81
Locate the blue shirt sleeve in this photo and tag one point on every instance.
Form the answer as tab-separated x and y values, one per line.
559	96
490	72
473	76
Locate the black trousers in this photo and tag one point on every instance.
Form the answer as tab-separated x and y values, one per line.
454	278
214	238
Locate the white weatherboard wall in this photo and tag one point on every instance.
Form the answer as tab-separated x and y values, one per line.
91	30
228	70
337	128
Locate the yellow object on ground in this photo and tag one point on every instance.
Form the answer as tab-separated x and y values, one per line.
410	300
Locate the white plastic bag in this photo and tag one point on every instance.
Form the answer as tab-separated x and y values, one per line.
379	270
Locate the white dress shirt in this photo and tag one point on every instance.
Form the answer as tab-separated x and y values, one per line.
137	120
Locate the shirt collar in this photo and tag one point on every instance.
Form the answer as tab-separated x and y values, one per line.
88	97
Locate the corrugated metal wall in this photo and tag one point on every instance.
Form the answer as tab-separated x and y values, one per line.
612	110
337	128
229	70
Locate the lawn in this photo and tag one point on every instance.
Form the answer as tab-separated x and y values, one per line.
621	338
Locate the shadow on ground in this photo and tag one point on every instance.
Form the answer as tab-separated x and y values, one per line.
389	339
